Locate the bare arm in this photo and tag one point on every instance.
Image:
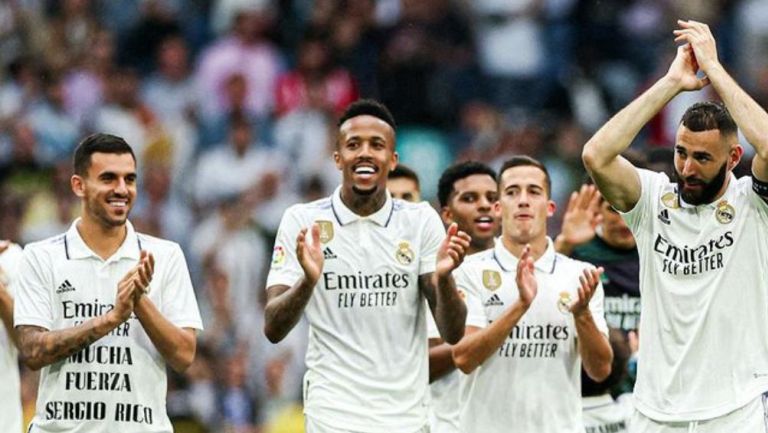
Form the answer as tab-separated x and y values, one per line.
286	304
447	307
40	347
614	175
479	344
748	114
439	288
177	345
440	359
594	348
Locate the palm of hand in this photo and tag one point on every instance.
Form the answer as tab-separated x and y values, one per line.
527	286
684	69
579	226
312	261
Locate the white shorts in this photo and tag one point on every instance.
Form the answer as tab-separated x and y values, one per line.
314	426
751	418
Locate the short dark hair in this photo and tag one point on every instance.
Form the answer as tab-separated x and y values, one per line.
456	172
98	143
368	107
522	161
708	115
402	171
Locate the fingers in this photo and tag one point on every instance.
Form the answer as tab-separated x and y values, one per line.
572	202
315	234
452	229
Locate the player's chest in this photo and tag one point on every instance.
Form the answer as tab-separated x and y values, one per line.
553	297
365	246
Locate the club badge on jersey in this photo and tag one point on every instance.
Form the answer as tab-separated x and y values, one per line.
725	213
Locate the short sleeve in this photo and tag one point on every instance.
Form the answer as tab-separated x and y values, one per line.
432	235
285	268
10	260
650	186
33	303
596	307
179	305
475	312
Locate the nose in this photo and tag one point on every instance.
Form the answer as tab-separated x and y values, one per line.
689	168
484	204
522	199
121	187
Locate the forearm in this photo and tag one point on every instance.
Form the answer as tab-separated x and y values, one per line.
176	345
595	351
617	134
284	308
440	359
40	347
748	114
476	347
6	315
450	311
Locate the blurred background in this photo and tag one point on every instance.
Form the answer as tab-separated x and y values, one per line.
231	106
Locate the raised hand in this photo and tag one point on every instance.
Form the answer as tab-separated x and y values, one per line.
699	37
589	280
684	68
525	279
452	250
310	255
581	217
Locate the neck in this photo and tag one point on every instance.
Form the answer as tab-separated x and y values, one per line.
104	241
480	245
363	205
538	246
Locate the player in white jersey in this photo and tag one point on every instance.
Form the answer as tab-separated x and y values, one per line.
466	192
703	360
533	317
10	398
360	269
403	183
102	309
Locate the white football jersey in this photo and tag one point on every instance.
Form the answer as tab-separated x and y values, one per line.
703	346
118	383
444	393
533	381
10	397
367	365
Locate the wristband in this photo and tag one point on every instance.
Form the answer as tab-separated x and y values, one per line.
760	187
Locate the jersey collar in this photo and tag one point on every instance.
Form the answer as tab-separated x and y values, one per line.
508	262
76	248
729	193
344	215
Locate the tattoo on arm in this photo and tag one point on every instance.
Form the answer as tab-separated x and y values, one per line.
428	289
41	347
451	312
284	307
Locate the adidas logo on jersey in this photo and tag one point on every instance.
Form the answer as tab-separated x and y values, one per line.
66	286
328	254
494	301
664	216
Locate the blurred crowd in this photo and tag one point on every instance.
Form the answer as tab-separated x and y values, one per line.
230	106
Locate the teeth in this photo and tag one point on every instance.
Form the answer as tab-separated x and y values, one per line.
484	219
365	170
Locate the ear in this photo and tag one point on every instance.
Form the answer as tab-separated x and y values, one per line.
497	208
395	160
551	208
734	156
78	185
337	159
446	215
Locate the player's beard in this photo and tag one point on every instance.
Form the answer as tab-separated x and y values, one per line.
708	191
359	191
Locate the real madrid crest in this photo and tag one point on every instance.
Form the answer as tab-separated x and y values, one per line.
326	231
491	279
404	253
670	200
564	302
724	212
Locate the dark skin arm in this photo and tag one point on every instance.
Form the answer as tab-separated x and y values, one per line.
440	359
41	347
439	288
285	304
